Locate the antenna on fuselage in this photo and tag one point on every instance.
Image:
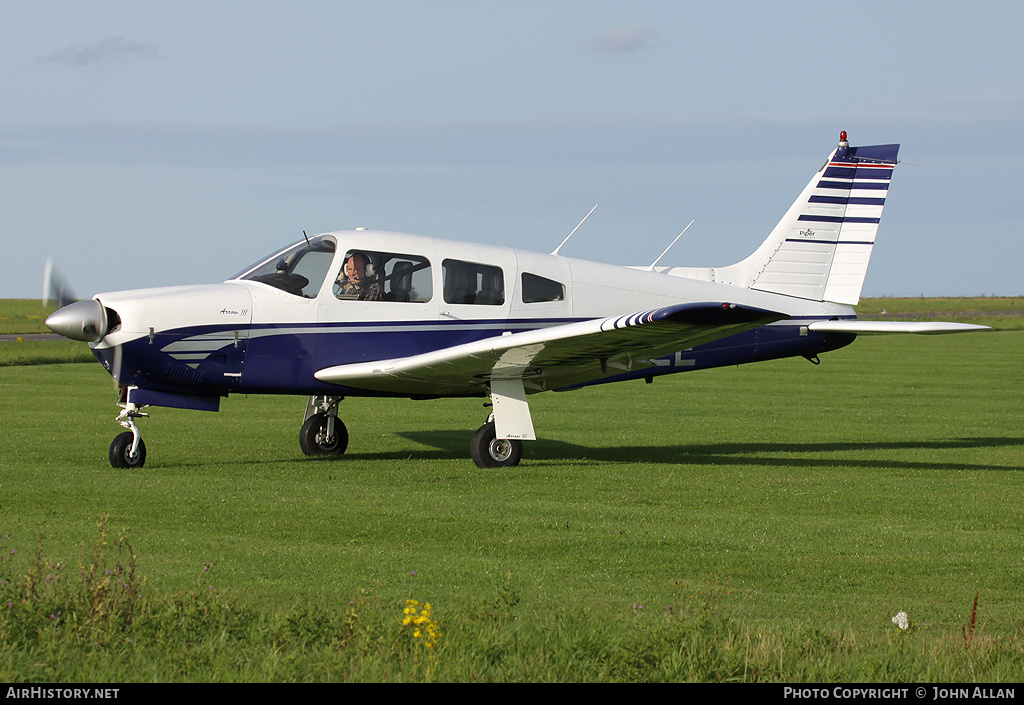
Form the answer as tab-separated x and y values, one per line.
308	243
651	268
574	230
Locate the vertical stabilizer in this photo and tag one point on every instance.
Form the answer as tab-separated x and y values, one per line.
821	248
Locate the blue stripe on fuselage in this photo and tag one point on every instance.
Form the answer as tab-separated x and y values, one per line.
271	365
282	358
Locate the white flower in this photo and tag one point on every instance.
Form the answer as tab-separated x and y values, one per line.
901	621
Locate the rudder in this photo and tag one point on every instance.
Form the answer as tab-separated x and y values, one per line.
821	248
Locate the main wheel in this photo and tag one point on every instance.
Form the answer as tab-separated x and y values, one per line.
121	452
488	451
313	438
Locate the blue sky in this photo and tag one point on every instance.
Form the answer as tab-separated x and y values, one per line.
156	143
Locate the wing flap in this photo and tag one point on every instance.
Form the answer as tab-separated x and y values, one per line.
553	357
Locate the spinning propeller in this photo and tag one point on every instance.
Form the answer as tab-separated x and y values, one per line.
88	321
55	286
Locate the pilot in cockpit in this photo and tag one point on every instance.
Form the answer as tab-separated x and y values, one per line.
357	280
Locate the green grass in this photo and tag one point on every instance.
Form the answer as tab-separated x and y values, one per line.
24	316
999	312
43	352
763	522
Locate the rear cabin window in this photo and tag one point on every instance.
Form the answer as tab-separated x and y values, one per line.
383	276
537	289
473	283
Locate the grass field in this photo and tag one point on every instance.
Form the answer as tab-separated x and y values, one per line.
999	312
760	523
24	315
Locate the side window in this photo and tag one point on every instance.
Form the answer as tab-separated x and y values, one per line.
384	276
472	283
537	289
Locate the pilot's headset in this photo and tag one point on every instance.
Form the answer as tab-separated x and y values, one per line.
370	271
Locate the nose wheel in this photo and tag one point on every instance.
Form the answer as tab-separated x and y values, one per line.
125	454
128	450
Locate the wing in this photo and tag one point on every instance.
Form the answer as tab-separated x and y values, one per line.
554	357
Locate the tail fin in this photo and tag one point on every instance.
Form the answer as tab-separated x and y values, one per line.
821	247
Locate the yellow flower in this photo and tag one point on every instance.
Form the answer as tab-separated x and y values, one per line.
423	626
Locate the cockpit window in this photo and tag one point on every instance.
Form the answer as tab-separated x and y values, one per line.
384	276
300	270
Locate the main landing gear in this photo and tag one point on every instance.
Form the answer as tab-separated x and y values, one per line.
489	451
323	433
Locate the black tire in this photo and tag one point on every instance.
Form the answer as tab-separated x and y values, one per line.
488	451
313	440
120	452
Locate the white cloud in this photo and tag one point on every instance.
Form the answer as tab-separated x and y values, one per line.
102	53
630	37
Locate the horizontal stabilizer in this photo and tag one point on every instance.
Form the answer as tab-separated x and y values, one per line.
878	327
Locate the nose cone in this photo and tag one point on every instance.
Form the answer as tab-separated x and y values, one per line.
83	320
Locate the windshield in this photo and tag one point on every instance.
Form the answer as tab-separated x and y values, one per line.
299	270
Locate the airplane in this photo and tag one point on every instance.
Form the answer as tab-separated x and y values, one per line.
381	314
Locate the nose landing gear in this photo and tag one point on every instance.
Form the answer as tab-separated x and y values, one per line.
128	450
